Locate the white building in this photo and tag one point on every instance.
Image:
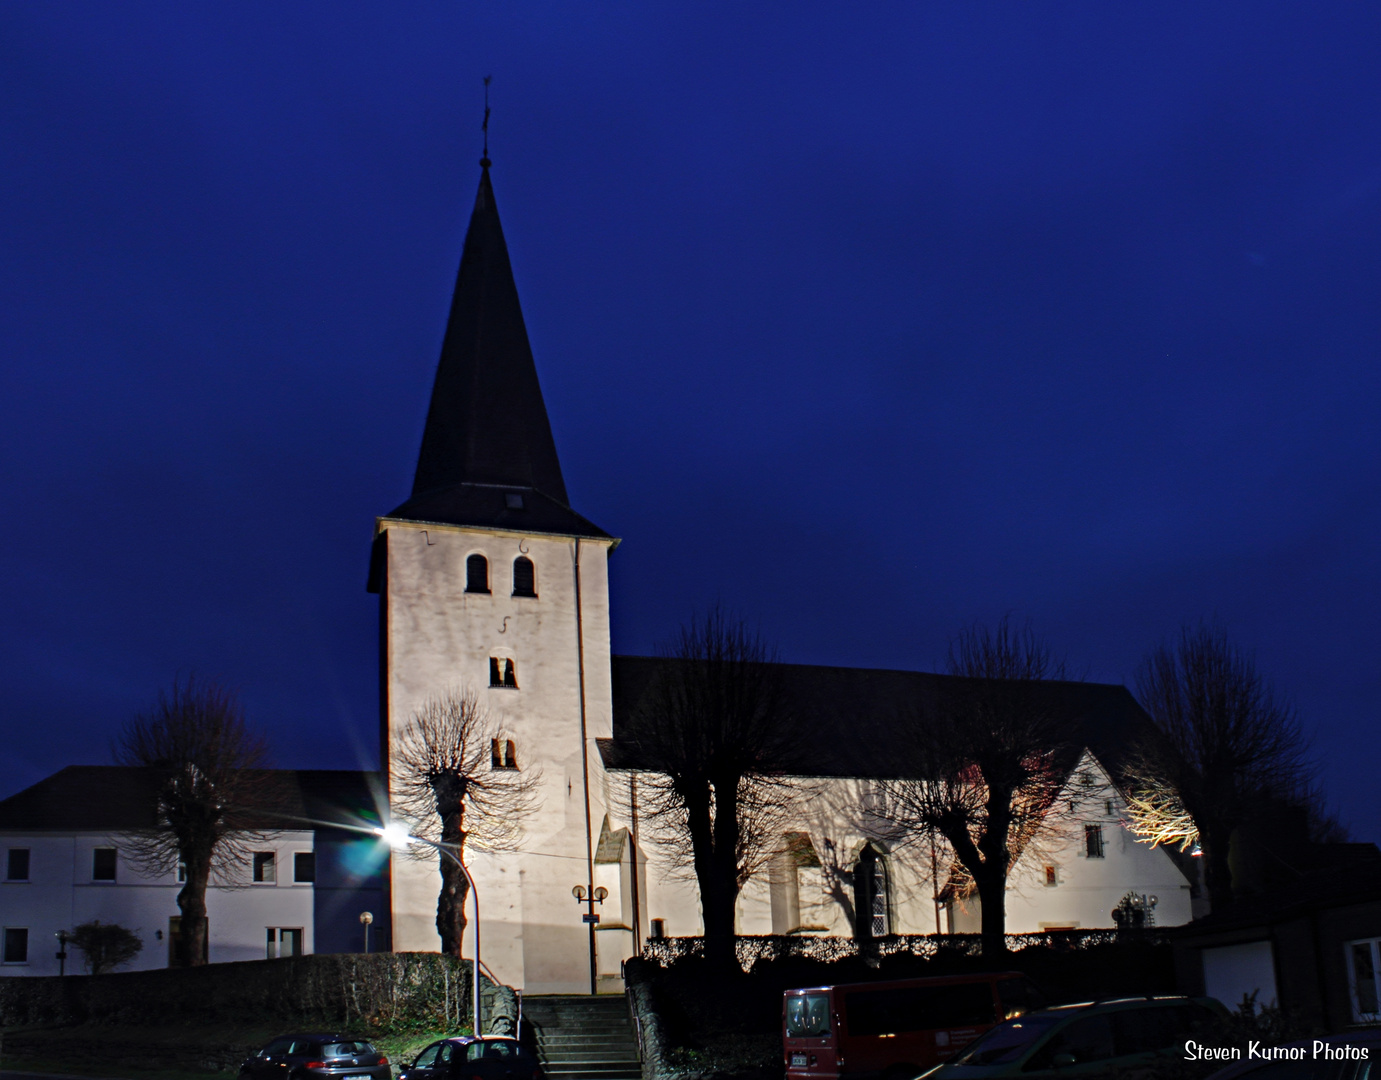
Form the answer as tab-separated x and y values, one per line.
66	849
489	581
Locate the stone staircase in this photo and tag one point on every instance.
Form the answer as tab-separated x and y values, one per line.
580	1037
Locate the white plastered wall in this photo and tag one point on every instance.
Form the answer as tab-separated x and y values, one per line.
61	894
438	637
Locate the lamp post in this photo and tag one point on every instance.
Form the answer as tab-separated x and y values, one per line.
63	939
366	917
398	837
591	897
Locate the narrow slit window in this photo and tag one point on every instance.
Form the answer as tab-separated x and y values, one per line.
477	574
524	577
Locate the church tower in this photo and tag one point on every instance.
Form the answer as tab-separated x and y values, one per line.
488	581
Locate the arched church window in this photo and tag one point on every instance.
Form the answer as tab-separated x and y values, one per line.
477	574
871	895
503	754
524	577
503	672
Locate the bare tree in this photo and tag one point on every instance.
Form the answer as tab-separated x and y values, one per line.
1227	743
209	774
461	783
987	762
716	736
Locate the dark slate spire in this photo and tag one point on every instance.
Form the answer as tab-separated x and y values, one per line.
487	423
488	458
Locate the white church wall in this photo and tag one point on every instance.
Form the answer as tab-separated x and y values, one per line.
61	894
840	816
440	638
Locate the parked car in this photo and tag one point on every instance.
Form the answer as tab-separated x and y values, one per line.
489	1057
1330	1057
898	1028
1086	1040
329	1056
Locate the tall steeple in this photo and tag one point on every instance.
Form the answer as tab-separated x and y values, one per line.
488	457
487	423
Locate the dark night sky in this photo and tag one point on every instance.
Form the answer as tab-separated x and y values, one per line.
870	320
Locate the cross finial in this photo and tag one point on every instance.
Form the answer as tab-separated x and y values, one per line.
484	161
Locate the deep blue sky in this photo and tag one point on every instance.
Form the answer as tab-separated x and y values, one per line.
870	320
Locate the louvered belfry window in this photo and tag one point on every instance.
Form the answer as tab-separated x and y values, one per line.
477	574
524	577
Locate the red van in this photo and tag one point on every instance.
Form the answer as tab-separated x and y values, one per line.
895	1029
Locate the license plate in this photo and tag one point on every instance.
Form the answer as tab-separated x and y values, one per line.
798	1059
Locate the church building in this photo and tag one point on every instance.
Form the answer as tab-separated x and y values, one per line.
490	583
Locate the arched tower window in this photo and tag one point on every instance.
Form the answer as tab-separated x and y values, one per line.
477	574
524	577
503	672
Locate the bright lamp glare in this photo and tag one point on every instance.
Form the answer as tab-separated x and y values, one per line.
395	835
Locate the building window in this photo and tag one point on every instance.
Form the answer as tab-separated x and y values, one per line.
1364	980
524	577
1093	841
1109	808
304	867
283	941
502	672
181	871
103	864
265	868
503	754
477	574
16	945
1051	878
17	864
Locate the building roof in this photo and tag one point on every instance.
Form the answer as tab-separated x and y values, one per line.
118	798
856	718
487	433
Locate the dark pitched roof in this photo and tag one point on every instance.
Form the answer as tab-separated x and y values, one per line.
117	798
487	432
856	717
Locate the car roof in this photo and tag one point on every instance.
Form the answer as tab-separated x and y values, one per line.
319	1036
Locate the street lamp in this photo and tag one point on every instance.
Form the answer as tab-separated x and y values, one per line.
63	938
590	898
397	836
366	917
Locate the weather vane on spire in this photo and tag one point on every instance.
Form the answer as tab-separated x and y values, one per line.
484	161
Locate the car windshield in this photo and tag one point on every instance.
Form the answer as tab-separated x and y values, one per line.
1008	1041
808	1014
346	1049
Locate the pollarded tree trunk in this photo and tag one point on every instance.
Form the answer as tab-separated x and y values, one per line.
191	902
450	903
716	903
